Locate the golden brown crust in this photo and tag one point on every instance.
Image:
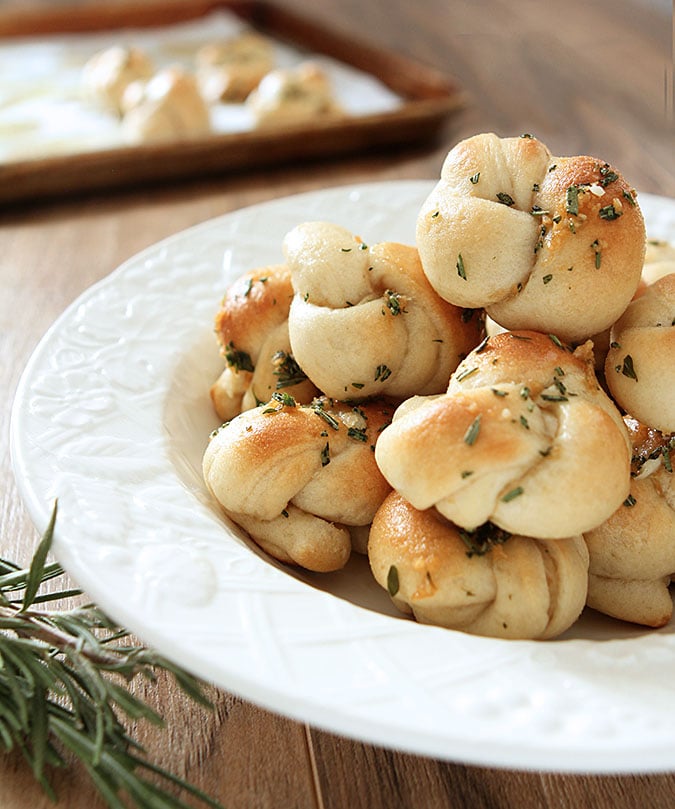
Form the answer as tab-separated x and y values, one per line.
510	586
257	302
317	458
536	236
524	437
632	554
252	330
640	366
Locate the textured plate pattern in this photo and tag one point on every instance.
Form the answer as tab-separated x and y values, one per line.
112	417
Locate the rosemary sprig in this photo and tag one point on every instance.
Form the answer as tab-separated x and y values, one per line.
63	690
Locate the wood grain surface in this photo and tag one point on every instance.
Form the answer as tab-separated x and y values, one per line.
584	76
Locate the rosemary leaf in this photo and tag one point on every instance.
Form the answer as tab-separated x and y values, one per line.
63	688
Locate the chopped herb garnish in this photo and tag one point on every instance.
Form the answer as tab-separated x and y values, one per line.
561	387
435	214
540	241
393	302
465	373
547	278
595	247
614	344
505	199
545	452
498	392
249	286
627	195
482	539
512	494
357	434
467	473
554	397
524	422
287	370
630	501
524	392
382	372
357	385
667	461
628	369
331	421
392	581
471	434
285	399
474	179
346	249
325	455
460	267
608	176
284	513
537	211
556	341
558	371
572	200
519	336
239	360
609	212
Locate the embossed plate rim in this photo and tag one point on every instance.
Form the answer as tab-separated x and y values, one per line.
578	705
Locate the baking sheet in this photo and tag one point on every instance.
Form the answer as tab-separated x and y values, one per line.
44	110
54	142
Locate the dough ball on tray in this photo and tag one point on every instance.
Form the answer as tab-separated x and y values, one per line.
485	582
524	437
290	95
230	70
108	73
166	107
531	237
298	477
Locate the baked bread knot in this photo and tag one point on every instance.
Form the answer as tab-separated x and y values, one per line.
230	70
524	438
364	320
167	106
292	95
632	554
251	326
485	582
108	73
298	477
531	237
640	364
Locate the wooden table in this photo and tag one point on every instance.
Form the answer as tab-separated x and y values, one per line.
583	77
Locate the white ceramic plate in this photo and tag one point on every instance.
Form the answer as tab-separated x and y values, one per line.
112	416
